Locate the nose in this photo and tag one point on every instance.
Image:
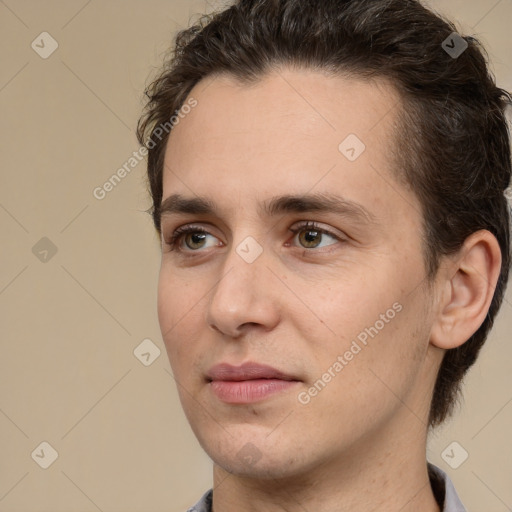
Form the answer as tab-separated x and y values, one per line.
246	296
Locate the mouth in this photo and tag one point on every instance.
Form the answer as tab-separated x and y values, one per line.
247	383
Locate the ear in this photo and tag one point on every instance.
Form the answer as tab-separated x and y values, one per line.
466	287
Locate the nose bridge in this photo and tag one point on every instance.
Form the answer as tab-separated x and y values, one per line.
243	264
240	295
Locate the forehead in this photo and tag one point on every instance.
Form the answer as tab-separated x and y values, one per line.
301	103
291	131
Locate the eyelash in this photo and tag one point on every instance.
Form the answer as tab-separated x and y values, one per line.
176	237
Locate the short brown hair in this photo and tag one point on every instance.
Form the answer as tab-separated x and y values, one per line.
454	140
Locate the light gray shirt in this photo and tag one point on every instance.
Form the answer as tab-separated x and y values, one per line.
442	487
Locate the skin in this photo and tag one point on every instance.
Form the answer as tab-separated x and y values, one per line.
359	444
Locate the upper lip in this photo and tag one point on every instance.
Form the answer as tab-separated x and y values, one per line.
246	371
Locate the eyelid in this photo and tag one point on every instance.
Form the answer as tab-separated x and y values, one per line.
315	226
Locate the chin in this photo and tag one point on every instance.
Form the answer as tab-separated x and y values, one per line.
257	455
267	467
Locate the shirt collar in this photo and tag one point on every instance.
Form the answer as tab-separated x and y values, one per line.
442	487
444	490
204	504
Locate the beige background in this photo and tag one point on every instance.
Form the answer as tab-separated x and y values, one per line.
69	326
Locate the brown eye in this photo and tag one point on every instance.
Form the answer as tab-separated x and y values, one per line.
196	240
311	236
194	236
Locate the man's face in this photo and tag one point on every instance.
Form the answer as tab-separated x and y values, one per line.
342	314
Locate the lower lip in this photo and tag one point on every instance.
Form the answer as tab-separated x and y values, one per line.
248	391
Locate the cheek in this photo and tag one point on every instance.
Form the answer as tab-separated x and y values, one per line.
178	298
166	307
339	311
370	319
371	381
178	313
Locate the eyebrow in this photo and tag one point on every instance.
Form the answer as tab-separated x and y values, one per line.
317	202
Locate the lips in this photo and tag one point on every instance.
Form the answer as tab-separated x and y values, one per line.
247	371
248	383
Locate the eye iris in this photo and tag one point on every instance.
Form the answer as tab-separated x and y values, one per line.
309	239
196	237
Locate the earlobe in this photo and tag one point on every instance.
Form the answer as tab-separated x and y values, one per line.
467	288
